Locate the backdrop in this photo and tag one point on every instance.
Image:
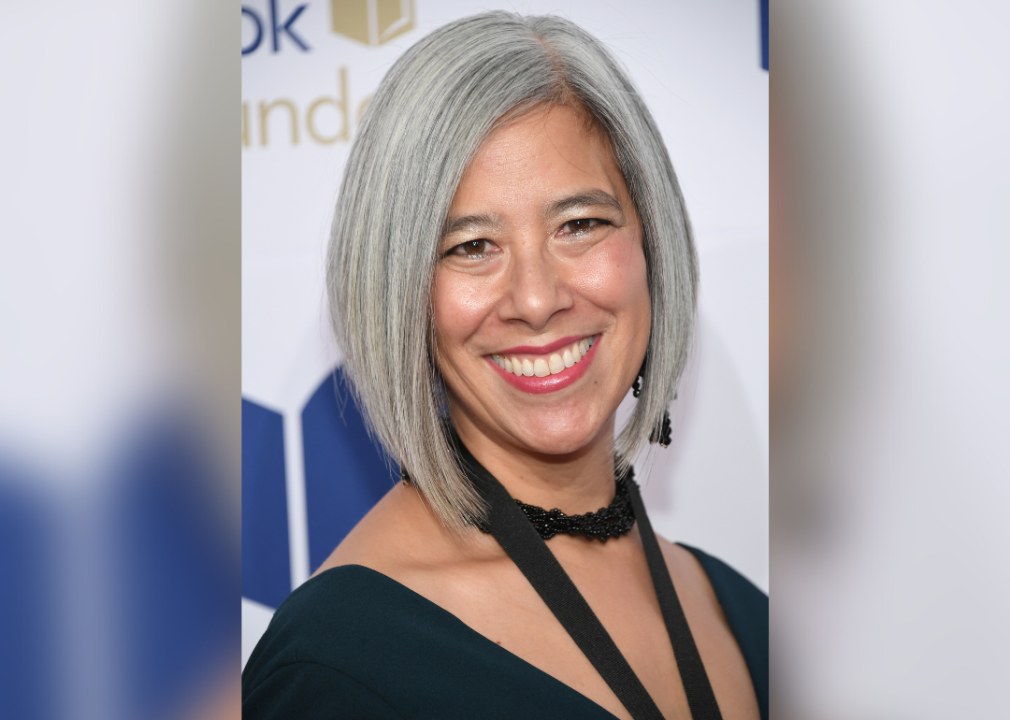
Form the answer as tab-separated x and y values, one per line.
309	471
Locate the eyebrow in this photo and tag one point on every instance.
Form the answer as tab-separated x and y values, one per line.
471	223
582	200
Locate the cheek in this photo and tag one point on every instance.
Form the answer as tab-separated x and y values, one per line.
614	275
460	303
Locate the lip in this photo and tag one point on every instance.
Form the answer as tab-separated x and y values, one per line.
551	383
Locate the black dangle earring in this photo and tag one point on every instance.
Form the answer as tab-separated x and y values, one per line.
661	434
636	387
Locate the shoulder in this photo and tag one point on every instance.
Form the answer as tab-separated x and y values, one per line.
730	587
710	576
401	539
310	655
357	627
743	606
398	536
344	639
324	617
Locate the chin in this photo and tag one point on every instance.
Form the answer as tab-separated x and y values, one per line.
549	439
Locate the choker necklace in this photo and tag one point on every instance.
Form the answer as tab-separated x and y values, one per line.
615	520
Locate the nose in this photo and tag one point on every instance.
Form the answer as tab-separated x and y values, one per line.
536	287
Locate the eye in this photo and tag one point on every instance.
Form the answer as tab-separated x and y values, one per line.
472	248
582	225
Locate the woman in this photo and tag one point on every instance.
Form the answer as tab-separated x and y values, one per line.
510	251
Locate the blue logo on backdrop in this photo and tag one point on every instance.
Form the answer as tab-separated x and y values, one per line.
345	475
266	559
279	27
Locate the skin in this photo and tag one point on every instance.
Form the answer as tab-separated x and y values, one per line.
522	271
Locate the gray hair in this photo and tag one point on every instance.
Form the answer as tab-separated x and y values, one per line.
431	113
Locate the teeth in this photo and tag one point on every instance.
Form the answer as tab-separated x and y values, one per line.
555	363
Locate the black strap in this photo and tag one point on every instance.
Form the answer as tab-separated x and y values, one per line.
520	540
698	689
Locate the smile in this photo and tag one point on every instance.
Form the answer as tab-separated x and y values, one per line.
542	366
546	369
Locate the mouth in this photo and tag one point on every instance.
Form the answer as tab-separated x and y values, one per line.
546	369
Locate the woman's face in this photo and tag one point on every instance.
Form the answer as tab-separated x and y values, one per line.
543	258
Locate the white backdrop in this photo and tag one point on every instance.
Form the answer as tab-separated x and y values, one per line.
698	66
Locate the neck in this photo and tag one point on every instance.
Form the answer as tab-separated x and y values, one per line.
577	482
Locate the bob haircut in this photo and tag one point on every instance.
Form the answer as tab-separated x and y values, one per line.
429	116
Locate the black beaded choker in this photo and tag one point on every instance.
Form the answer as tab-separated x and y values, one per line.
614	520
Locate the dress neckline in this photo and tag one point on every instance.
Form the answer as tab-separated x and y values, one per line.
483	639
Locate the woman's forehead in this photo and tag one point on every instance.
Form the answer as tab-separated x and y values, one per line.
538	158
537	132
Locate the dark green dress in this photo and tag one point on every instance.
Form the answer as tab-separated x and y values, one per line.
352	643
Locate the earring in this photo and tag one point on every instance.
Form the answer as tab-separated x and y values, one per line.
663	433
404	477
636	387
